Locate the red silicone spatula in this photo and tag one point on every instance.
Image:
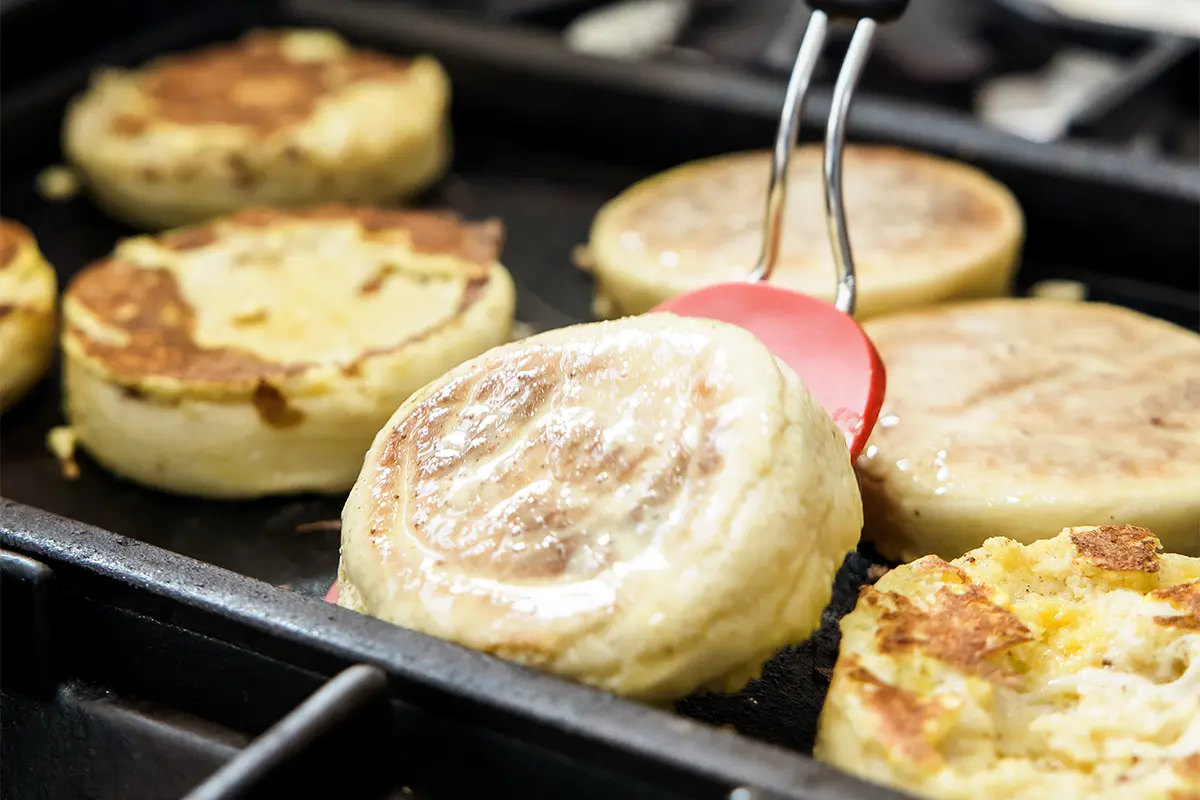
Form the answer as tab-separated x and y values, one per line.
821	342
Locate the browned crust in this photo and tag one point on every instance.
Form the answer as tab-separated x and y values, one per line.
13	236
272	407
1189	768
962	202
429	232
251	84
1185	597
955	206
373	284
1118	548
961	627
146	305
904	717
539	539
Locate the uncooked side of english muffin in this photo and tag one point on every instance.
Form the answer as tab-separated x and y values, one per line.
28	296
259	353
283	118
1068	668
1017	417
596	502
923	229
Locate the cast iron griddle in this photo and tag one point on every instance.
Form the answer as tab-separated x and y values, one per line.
513	161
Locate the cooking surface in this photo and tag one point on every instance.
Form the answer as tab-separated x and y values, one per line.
546	190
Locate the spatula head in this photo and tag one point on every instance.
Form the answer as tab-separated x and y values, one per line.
826	348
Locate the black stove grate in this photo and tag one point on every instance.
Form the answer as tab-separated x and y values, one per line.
161	675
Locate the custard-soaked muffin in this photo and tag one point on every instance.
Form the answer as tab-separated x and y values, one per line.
260	353
280	118
1018	417
648	506
1065	669
923	230
28	290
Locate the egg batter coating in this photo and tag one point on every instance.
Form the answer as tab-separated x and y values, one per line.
1068	668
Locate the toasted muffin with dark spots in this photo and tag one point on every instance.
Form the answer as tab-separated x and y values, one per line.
282	118
28	299
924	230
1066	668
259	353
1017	417
593	502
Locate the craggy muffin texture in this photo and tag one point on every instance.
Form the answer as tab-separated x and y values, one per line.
1068	668
28	289
1017	417
924	230
261	352
594	502
280	118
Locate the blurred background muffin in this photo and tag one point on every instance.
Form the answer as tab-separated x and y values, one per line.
283	118
28	297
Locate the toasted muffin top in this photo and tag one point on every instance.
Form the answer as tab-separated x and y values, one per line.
1022	399
591	499
13	237
559	459
267	293
908	213
27	282
264	82
1068	667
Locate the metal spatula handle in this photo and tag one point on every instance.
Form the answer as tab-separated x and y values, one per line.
866	12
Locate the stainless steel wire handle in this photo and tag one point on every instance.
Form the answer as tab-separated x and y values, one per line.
867	12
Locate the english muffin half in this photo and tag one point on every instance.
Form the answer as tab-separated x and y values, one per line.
1015	417
260	353
1068	668
923	230
28	294
280	118
647	506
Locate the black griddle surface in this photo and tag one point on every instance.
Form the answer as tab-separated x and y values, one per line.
546	188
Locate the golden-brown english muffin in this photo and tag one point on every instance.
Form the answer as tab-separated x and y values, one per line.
923	230
1017	417
1065	669
280	118
28	291
648	506
260	353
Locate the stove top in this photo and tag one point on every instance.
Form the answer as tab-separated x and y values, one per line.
1043	69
